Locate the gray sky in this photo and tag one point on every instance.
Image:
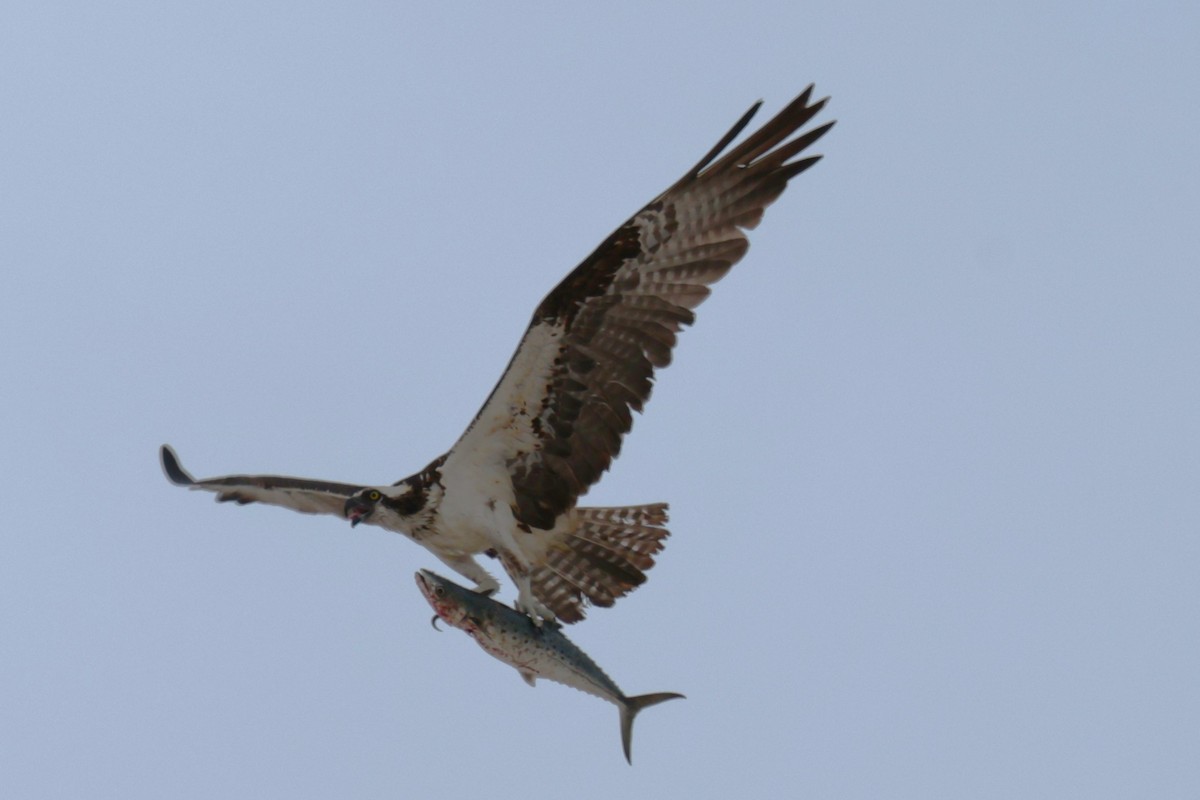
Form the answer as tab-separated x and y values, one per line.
931	449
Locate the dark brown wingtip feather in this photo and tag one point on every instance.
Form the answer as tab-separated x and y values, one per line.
775	130
175	473
798	145
732	134
793	116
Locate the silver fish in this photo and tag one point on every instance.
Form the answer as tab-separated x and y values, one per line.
535	652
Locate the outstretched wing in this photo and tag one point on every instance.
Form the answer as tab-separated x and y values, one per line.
298	494
555	420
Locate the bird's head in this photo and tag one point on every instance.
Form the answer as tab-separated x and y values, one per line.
397	507
361	505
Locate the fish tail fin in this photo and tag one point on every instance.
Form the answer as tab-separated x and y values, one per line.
603	557
630	709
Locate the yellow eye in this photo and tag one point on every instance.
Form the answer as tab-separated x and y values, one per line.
373	495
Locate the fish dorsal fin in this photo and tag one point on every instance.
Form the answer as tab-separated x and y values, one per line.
528	676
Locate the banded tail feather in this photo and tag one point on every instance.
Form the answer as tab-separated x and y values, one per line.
603	559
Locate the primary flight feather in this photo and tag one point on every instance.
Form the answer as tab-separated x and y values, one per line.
555	420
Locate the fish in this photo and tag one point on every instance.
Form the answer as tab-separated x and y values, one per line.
534	651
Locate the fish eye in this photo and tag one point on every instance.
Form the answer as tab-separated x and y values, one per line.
373	495
440	591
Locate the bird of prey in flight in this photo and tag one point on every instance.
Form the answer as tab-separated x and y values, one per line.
554	422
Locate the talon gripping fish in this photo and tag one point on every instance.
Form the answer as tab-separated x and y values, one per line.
535	652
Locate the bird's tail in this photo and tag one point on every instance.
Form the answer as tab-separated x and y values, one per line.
603	558
630	709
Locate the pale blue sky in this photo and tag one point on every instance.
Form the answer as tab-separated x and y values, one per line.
931	449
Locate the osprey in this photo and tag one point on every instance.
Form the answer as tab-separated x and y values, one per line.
554	422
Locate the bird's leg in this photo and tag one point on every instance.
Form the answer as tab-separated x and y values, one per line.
468	567
527	603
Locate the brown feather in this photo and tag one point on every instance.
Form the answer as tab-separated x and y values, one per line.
604	559
606	327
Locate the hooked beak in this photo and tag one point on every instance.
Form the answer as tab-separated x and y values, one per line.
357	510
